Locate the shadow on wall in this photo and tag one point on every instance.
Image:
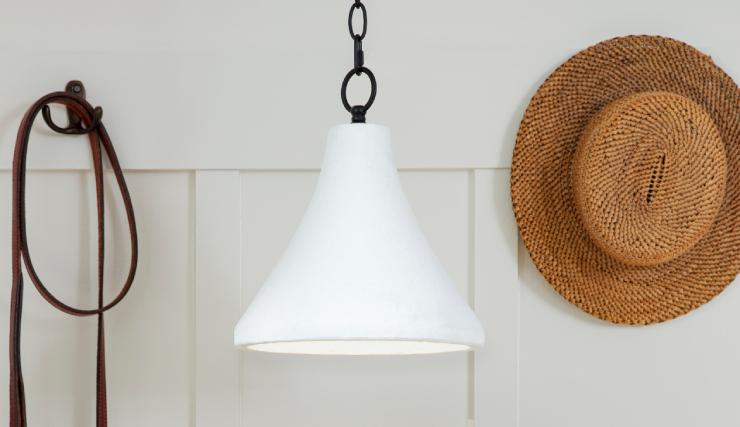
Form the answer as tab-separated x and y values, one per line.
9	122
512	128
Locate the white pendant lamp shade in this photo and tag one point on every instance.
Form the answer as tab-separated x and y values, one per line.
358	277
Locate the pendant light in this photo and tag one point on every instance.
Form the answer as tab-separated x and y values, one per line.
358	276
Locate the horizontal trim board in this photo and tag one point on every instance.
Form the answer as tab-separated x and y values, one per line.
252	170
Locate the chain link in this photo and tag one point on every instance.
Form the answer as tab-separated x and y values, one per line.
357	5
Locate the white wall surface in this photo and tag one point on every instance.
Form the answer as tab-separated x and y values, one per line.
219	111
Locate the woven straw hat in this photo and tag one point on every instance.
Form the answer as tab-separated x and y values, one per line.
625	179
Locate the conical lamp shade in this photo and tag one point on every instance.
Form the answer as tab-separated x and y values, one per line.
358	277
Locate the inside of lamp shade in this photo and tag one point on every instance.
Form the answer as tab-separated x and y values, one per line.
358	347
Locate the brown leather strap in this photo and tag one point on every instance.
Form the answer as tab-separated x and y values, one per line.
99	142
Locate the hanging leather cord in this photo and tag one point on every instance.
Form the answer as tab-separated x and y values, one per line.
99	142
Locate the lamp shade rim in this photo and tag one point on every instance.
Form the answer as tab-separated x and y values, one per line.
360	346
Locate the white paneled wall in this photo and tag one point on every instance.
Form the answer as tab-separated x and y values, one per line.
219	111
150	335
209	238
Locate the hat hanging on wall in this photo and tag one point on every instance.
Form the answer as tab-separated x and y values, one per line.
625	179
358	277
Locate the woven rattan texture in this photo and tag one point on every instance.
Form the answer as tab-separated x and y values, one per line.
646	268
649	177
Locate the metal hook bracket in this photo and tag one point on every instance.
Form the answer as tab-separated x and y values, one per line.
76	91
75	87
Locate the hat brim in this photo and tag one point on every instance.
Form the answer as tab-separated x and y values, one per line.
542	193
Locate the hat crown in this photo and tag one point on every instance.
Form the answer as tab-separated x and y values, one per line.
649	177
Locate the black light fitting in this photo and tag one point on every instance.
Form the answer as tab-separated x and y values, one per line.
358	111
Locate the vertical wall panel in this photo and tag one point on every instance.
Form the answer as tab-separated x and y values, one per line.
148	334
496	300
58	351
217	294
289	390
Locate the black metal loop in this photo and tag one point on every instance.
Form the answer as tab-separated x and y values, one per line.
357	5
358	111
72	129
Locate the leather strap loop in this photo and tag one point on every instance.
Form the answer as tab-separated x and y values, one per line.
99	142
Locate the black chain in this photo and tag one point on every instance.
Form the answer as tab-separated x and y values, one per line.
358	111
